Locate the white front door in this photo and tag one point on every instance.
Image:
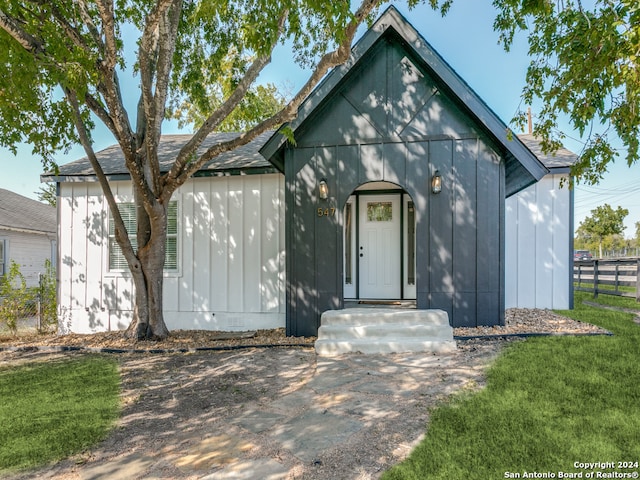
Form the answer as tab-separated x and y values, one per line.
379	250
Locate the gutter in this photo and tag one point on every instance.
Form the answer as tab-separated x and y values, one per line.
26	230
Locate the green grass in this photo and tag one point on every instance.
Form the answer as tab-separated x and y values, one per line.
630	292
615	300
549	402
52	409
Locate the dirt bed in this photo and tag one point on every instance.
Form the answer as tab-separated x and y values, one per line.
517	321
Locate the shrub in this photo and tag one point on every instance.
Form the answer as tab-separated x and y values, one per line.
15	297
48	305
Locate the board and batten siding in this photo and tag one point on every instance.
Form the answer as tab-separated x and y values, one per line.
390	120
230	248
538	246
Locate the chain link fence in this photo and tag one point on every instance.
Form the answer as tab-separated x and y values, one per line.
25	308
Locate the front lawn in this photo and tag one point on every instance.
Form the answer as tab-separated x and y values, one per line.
550	402
54	408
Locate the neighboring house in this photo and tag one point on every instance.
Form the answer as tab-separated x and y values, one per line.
27	235
273	234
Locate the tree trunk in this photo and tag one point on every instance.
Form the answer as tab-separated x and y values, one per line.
148	319
600	248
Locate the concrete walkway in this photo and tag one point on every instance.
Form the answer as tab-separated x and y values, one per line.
346	417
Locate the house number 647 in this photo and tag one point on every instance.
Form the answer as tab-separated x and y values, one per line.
326	212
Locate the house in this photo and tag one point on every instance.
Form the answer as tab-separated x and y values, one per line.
28	233
398	188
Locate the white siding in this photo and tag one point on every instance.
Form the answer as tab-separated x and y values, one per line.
231	249
537	247
30	251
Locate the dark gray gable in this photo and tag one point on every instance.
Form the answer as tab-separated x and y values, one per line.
385	98
438	84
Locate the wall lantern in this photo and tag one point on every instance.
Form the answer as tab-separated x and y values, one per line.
323	189
436	182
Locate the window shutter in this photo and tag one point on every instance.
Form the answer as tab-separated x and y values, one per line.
171	251
117	262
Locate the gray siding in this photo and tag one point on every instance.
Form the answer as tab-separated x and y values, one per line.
400	129
390	121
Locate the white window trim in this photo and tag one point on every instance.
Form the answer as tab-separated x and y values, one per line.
125	273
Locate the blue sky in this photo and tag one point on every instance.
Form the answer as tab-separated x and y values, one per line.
466	40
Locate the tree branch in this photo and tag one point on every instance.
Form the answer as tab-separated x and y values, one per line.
88	22
177	170
28	41
95	106
72	33
105	9
118	119
148	56
109	87
168	31
115	118
165	44
214	120
182	170
121	232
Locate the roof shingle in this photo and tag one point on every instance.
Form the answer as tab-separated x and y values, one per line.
113	163
242	158
562	159
19	212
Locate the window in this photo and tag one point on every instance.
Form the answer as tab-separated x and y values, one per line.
54	254
117	262
348	244
2	257
411	244
379	212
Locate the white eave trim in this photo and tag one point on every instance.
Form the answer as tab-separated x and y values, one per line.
26	230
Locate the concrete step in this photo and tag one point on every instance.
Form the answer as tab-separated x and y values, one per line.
390	330
383	316
370	346
384	330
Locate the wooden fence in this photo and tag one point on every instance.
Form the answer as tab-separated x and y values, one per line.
607	276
